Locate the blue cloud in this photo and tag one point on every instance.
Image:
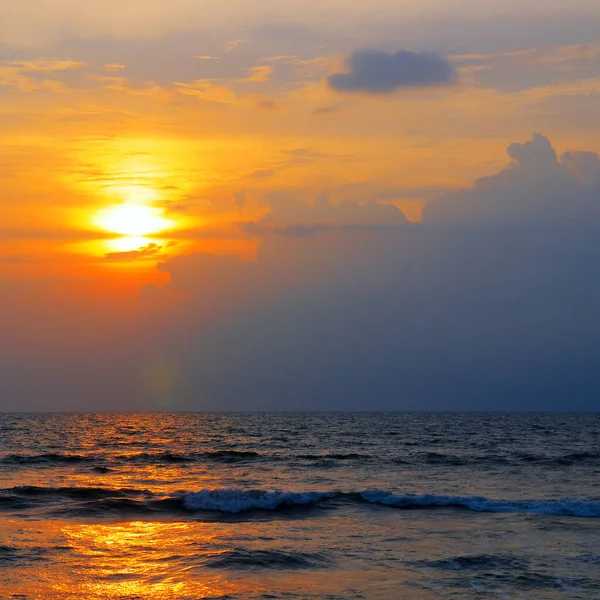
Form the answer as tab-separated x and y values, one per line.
375	72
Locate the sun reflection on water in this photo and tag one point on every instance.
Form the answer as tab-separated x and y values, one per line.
139	560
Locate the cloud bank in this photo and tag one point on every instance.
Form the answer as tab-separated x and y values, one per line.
491	303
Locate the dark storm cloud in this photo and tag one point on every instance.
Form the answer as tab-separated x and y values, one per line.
375	72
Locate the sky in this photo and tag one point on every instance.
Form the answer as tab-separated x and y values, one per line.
299	205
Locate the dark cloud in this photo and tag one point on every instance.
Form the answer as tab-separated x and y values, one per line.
286	212
584	165
375	72
254	228
535	188
290	217
491	313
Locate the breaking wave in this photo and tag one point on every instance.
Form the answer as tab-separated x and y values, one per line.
85	500
234	500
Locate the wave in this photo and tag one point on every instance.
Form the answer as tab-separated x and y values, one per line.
233	500
102	461
56	459
154	458
10	555
45	458
338	456
477	562
91	493
445	459
561	460
101	469
231	455
510	571
575	507
123	506
222	456
517	459
29	496
241	558
84	500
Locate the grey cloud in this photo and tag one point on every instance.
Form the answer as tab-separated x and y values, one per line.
288	212
291	217
536	188
254	228
584	165
495	314
375	72
301	230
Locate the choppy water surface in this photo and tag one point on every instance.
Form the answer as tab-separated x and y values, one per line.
424	506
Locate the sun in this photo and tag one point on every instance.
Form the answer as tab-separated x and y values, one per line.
132	219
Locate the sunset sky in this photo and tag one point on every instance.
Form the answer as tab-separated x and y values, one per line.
292	204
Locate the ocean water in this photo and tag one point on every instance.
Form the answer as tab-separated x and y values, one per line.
375	506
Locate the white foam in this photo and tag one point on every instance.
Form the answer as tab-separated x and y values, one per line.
567	506
234	500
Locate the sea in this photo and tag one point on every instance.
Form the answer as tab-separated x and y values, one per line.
299	506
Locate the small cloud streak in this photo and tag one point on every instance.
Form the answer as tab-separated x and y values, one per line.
231	46
260	74
149	251
45	65
113	68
